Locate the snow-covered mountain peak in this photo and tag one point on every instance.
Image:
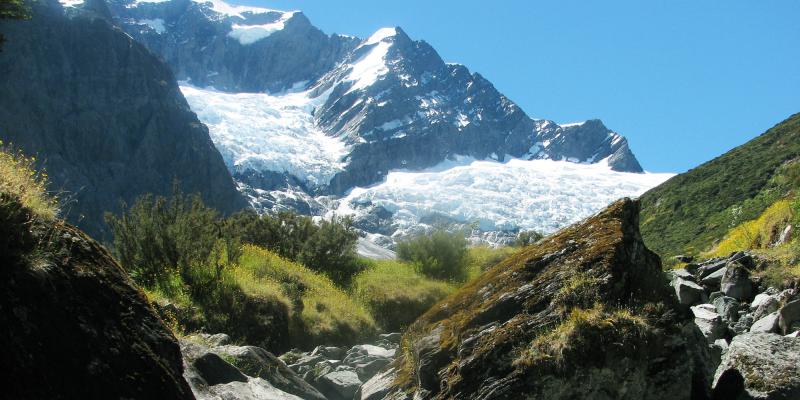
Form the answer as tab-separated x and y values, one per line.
380	35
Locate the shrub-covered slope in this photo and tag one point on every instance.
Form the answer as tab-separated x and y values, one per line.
586	313
691	211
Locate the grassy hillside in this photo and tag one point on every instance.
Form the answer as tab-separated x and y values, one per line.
692	211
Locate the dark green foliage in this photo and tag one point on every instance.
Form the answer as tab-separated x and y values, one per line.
526	238
157	236
332	250
439	255
12	9
689	212
328	247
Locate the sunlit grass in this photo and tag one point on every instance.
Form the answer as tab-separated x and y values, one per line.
19	177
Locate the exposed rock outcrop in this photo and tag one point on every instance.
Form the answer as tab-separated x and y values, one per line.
74	326
585	313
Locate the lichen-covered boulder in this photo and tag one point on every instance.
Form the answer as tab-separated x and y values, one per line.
73	324
764	365
586	313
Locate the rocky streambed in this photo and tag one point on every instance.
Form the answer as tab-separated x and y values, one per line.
217	369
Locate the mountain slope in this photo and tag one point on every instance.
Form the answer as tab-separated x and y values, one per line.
391	102
103	115
692	210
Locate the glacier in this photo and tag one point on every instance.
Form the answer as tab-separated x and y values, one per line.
269	132
541	195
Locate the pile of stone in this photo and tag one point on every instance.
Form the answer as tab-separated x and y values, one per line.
339	373
744	323
217	369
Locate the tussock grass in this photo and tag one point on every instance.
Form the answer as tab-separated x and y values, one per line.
321	311
585	329
19	178
396	294
481	258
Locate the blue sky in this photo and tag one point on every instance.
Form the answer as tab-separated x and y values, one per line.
684	80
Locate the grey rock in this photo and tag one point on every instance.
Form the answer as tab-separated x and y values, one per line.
713	280
688	292
682	273
727	308
367	370
736	282
762	365
767	324
766	306
257	362
339	385
329	352
684	258
215	370
391	337
795	334
760	299
377	387
788	315
709	322
785	235
707	269
743	324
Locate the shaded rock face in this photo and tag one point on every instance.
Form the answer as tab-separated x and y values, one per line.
584	314
103	115
75	327
194	40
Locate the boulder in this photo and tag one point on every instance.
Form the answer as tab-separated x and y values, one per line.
727	308
766	306
683	258
339	385
214	370
743	324
736	282
788	315
329	352
707	269
682	273
688	292
377	387
762	365
785	235
257	362
585	313
367	370
713	280
766	324
74	326
709	322
760	299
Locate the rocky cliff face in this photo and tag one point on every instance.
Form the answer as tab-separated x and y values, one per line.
232	48
74	326
102	114
584	314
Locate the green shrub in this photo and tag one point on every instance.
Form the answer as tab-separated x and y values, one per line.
158	235
396	294
328	247
481	258
439	255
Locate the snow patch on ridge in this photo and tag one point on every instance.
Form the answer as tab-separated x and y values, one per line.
366	70
543	195
249	34
266	132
